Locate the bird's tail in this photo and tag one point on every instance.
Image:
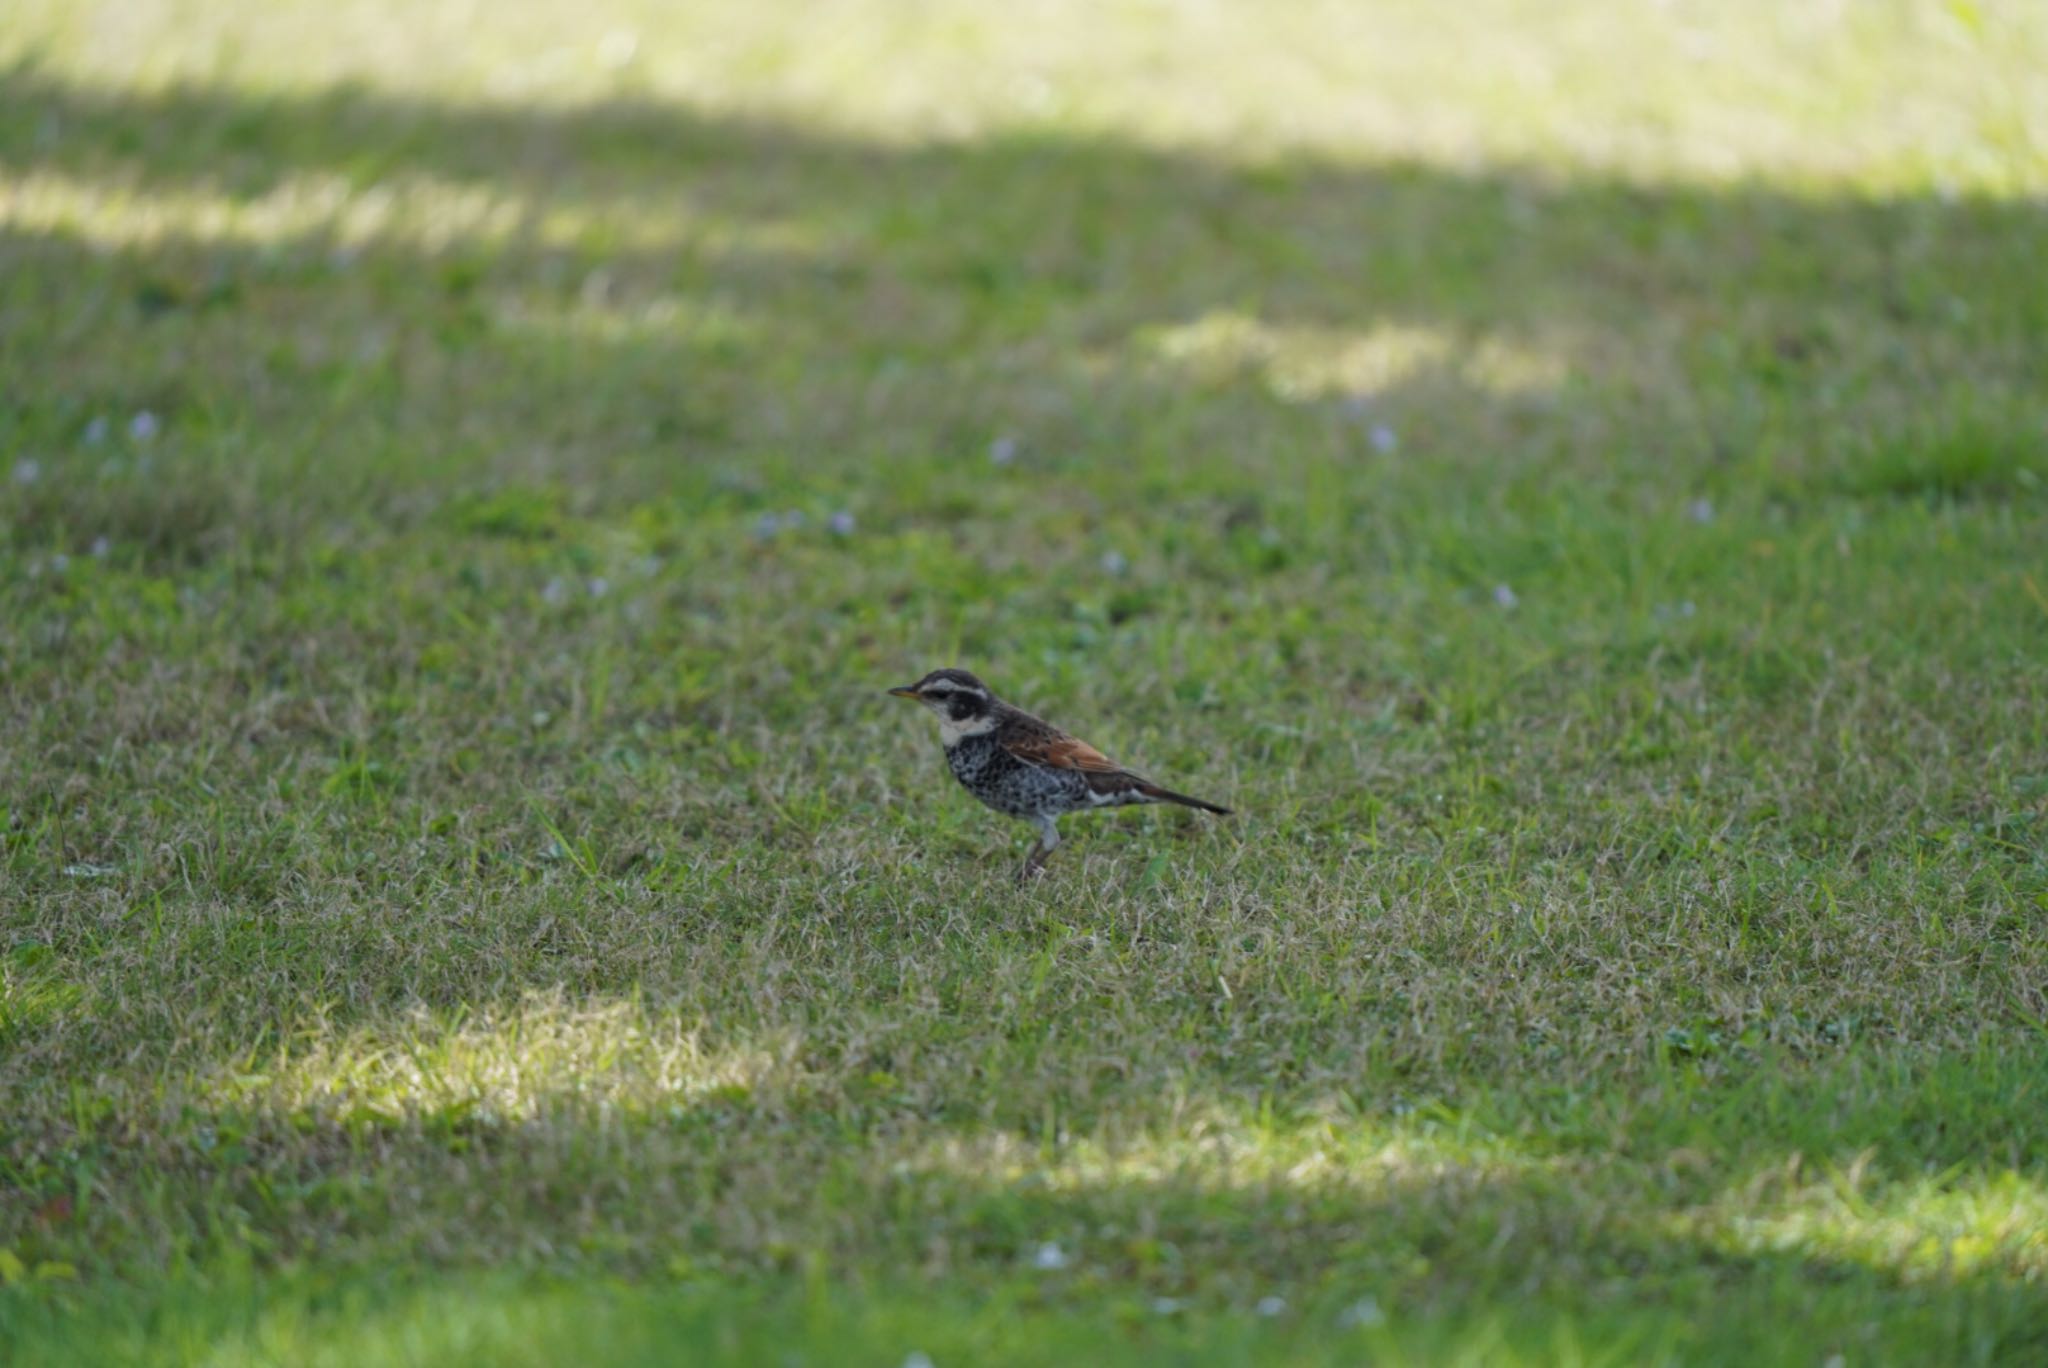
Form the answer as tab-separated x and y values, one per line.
1153	791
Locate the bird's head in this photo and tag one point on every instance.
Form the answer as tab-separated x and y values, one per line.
963	703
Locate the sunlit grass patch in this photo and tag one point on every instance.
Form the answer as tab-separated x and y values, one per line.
34	994
343	216
1917	1230
1870	96
334	208
496	1066
1209	1148
1323	363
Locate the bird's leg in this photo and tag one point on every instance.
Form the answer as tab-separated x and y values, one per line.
1048	840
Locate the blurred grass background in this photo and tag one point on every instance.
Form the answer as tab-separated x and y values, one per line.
1570	474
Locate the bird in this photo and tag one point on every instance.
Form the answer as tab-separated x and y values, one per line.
1025	767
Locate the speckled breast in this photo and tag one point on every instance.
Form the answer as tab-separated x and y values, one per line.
1009	785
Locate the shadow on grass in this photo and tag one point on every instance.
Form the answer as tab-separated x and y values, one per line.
609	297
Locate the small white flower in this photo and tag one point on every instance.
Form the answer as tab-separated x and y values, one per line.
917	1358
27	472
1700	510
143	426
1271	1306
1049	1256
1114	563
650	565
599	586
1002	451
1687	608
766	526
1504	596
1364	1313
1166	1306
100	547
96	431
556	591
1383	438
842	523
60	562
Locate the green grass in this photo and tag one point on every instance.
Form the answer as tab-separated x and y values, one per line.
1571	476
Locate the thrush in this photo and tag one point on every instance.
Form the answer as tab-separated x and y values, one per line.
1025	767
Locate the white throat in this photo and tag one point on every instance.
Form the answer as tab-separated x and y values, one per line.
952	733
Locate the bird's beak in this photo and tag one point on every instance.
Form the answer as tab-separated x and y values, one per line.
905	691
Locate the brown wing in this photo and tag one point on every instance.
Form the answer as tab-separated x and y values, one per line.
1041	743
1066	752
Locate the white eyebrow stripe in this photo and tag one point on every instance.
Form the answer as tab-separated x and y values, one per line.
953	687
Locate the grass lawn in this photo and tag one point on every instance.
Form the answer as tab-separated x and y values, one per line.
1574	476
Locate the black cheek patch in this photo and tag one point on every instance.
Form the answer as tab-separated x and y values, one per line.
963	706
